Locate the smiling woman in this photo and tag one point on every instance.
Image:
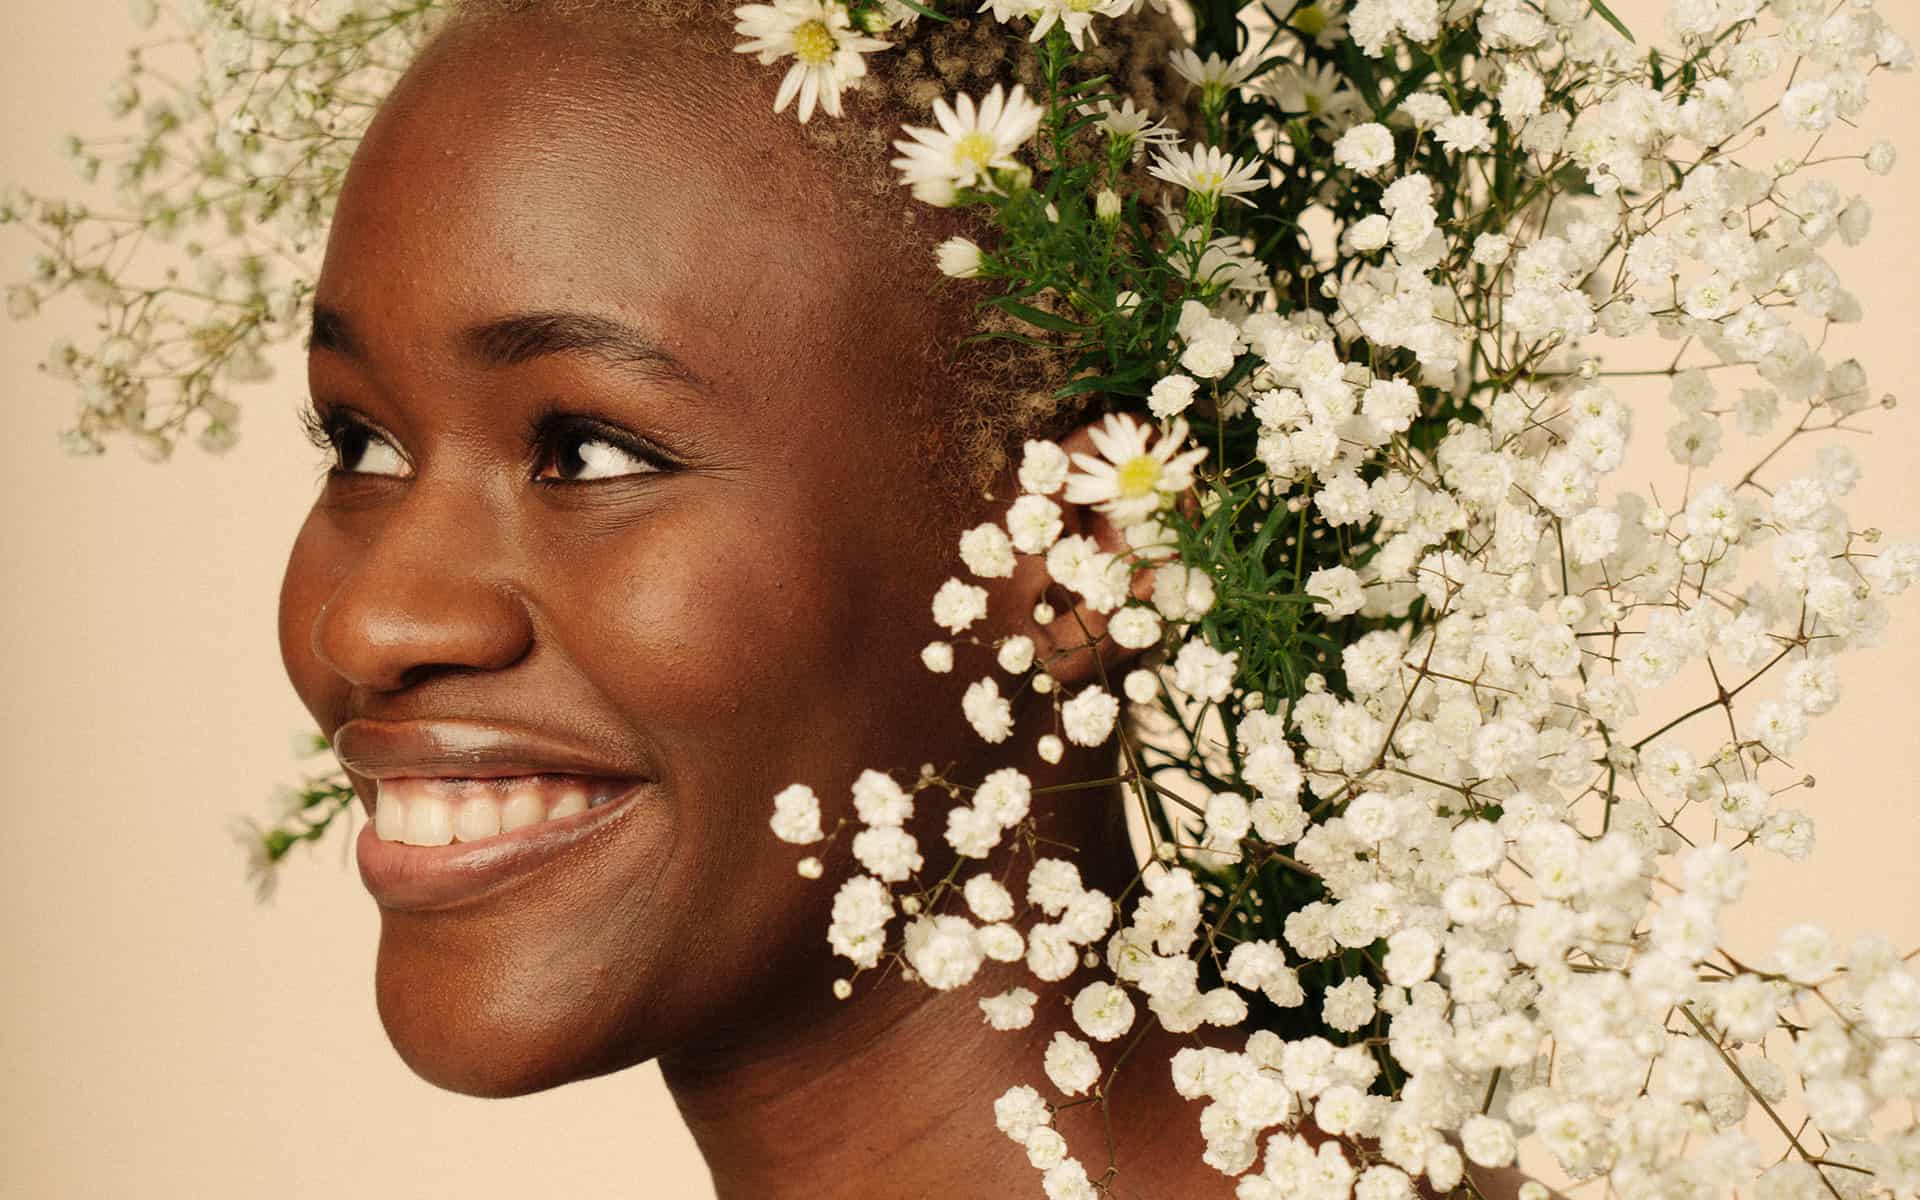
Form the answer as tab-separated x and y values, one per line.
631	488
1306	807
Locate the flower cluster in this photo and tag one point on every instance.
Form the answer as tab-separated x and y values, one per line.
1406	655
238	126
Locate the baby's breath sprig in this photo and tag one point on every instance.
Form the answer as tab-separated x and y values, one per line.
301	814
235	131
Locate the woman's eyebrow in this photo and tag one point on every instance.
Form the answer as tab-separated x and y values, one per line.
522	337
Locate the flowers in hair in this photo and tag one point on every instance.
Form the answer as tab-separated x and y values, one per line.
829	55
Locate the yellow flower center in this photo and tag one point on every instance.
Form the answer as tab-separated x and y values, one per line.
1139	476
973	150
1311	20
814	44
1081	6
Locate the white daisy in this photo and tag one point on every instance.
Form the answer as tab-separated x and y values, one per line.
1128	480
1136	126
827	51
1323	22
1318	90
971	143
1214	74
1076	16
1208	171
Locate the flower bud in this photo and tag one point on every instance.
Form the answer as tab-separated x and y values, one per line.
1106	207
959	258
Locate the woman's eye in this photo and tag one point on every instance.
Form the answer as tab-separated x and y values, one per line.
356	448
578	457
372	455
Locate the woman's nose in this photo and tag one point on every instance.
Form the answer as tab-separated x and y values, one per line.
424	596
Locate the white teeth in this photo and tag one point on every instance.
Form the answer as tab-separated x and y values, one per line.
434	812
389	816
478	818
523	808
429	822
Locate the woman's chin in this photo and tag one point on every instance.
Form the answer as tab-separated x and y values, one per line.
498	1025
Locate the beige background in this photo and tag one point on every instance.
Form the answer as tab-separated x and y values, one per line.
160	1036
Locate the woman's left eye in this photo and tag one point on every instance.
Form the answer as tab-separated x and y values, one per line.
583	455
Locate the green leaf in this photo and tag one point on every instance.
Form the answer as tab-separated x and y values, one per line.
924	11
1606	14
1035	317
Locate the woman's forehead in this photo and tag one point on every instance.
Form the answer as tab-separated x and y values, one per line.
535	165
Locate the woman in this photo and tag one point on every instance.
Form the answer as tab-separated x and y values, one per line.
636	499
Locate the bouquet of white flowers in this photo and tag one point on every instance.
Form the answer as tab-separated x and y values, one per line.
1420	813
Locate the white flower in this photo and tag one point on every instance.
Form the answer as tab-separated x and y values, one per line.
1135	627
1171	396
987	551
1136	126
1215	72
957	605
988	898
1127	480
1011	1009
827	51
1209	171
1015	654
1365	148
972	141
1033	524
942	949
1203	672
1019	1111
1043	468
937	657
1070	1064
958	257
987	711
972	832
1348	1006
888	852
1067	1180
1464	133
1088	718
796	815
1005	796
1053	884
1102	1011
879	800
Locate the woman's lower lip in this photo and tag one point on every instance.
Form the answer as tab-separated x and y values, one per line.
410	878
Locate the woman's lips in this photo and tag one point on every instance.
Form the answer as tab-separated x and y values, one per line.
464	806
448	870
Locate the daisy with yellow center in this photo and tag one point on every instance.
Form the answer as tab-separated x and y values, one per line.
1075	16
1129	479
1208	171
970	144
828	54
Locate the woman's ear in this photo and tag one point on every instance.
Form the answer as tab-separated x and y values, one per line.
1072	645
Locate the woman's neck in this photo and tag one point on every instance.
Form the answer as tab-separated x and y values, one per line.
891	1094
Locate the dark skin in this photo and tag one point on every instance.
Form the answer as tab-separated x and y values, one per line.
742	612
693	525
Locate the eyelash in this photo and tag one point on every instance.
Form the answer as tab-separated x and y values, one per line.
326	428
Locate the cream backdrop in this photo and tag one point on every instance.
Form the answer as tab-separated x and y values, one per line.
161	1036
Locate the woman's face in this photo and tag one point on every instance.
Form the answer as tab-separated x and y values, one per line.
645	499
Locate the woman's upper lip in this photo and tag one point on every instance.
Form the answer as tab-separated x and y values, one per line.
467	749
